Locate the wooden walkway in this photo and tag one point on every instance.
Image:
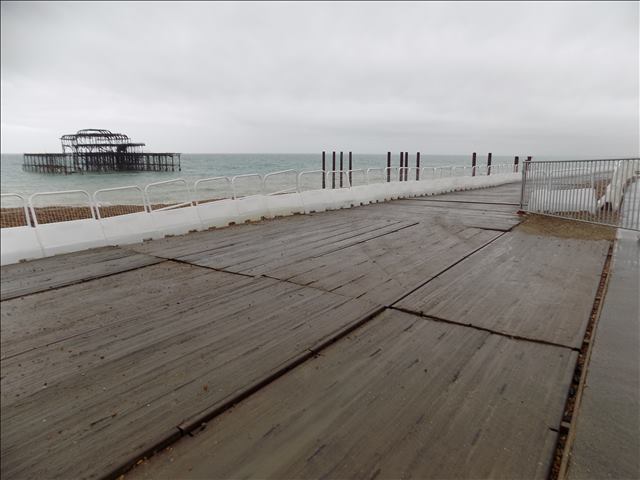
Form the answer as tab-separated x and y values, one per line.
421	338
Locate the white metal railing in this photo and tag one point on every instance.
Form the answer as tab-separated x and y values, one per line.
63	210
121	204
172	198
255	181
60	206
596	191
207	190
284	181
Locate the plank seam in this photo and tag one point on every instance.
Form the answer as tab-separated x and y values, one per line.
402	297
85	280
484	329
567	428
199	424
366	240
207	267
421	199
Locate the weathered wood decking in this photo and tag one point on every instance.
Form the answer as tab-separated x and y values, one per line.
416	338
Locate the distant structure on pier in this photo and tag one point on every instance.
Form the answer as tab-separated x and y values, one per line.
95	150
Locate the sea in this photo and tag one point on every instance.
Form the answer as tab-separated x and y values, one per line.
198	166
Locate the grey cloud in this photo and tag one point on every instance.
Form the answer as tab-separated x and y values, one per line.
540	78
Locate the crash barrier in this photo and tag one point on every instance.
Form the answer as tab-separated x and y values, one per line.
51	223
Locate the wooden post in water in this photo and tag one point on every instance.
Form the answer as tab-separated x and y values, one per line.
333	170
516	160
350	168
489	164
388	166
406	166
401	165
341	169
324	170
473	164
418	166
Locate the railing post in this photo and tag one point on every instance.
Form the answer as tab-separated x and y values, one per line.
473	164
388	166
489	164
333	170
418	166
324	171
350	169
515	163
341	169
522	184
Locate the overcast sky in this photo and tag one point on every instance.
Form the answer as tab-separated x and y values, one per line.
512	78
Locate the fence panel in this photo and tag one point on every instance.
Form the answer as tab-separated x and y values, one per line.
247	185
214	189
113	202
596	191
13	211
171	207
55	207
168	195
277	183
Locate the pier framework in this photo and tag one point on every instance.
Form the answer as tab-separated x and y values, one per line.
94	150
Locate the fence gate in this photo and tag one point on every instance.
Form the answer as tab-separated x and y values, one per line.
605	192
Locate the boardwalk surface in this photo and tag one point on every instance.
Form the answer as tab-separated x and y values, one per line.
607	441
393	340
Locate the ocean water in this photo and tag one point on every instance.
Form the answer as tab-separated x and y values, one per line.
197	166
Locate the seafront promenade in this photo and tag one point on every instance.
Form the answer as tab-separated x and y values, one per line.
431	337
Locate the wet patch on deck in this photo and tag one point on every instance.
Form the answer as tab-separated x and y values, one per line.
403	397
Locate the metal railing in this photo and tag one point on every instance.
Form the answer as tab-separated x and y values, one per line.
53	207
605	192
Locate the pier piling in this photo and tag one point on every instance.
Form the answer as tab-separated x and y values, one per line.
324	170
333	170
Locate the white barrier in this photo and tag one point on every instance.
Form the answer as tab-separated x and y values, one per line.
175	218
19	243
341	196
129	228
315	200
283	200
71	235
212	210
121	229
181	215
564	200
251	208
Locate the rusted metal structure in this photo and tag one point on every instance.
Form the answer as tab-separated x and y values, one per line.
97	150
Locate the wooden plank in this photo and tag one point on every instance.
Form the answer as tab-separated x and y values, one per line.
131	357
239	235
422	211
534	286
434	202
382	269
258	256
402	397
509	193
53	272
